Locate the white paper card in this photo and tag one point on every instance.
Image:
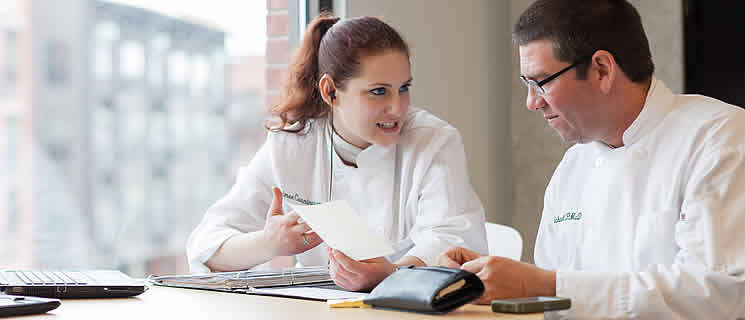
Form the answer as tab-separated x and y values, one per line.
343	229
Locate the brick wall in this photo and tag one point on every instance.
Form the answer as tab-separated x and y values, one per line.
277	48
277	58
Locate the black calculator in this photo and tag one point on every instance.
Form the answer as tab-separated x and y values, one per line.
20	305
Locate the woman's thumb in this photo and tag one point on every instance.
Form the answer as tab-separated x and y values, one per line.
276	207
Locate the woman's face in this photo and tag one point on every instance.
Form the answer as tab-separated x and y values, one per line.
371	108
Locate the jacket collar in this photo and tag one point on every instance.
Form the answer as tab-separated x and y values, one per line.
374	156
658	104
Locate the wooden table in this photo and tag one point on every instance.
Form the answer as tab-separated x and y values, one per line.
179	304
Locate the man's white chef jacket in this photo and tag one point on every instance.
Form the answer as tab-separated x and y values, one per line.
654	229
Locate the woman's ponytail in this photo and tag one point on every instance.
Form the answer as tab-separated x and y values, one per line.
300	98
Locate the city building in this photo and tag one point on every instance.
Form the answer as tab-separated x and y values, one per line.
117	131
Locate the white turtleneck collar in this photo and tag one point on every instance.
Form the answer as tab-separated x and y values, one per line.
346	151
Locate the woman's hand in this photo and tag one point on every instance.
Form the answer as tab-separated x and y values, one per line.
283	233
456	257
358	275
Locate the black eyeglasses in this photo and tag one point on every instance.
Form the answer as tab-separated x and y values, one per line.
538	86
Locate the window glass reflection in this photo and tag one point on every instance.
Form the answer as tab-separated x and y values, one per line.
156	63
132	58
105	36
177	68
125	139
10	65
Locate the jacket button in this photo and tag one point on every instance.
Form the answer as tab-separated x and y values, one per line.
599	162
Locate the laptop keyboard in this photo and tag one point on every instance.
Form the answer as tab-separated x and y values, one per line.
52	277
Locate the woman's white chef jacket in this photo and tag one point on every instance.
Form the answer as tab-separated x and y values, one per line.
654	229
416	193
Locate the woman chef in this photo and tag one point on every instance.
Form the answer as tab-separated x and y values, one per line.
346	132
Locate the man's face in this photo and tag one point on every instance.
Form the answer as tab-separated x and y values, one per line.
567	103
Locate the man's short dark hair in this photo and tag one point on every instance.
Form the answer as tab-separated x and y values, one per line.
578	28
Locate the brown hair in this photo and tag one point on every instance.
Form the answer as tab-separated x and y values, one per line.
578	28
332	47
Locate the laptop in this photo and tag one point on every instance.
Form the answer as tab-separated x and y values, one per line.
70	284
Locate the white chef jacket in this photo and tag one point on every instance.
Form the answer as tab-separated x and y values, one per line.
654	229
416	193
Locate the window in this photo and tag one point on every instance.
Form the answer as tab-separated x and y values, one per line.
11	169
12	137
200	74
58	64
157	135
105	36
11	58
156	64
142	142
157	227
106	213
177	65
103	133
132	60
178	123
217	80
133	121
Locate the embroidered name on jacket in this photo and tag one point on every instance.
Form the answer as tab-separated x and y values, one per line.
568	216
298	198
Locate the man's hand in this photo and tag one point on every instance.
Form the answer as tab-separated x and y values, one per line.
284	235
503	278
358	275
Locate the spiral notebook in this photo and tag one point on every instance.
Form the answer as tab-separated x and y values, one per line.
312	283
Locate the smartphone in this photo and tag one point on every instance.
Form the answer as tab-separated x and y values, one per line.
530	305
18	305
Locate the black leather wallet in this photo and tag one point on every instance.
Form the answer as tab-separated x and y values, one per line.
426	289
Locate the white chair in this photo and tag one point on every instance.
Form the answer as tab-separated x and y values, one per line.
504	241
